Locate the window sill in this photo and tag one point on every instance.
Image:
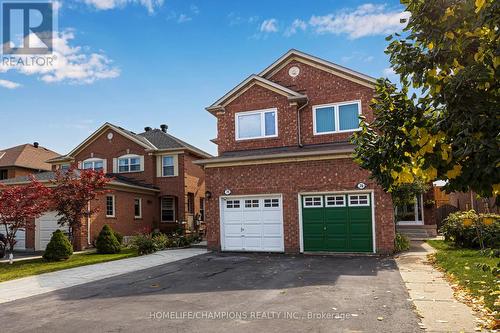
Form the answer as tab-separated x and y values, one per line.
168	176
169	222
131	171
111	217
257	138
338	132
137	218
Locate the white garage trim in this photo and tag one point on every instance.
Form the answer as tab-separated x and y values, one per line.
222	200
299	200
50	224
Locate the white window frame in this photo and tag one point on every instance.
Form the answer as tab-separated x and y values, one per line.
312	197
64	166
359	204
93	161
230	204
173	210
336	117
272	201
335	200
254	203
262	124
129	158
114	205
163	166
140	208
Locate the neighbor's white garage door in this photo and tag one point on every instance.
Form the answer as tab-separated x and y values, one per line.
21	240
252	224
45	225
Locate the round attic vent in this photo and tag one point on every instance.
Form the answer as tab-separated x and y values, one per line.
294	71
110	136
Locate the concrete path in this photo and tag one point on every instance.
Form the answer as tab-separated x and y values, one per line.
44	283
432	294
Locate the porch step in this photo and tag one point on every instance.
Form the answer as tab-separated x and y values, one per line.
420	232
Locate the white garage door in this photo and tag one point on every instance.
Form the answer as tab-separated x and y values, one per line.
252	224
45	225
21	240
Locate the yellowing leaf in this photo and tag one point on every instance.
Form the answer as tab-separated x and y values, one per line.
479	5
449	12
455	172
496	61
431	173
449	35
430	45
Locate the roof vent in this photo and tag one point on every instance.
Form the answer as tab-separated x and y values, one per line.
36	144
147	129
164	128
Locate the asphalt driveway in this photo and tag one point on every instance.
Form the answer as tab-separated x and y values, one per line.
228	293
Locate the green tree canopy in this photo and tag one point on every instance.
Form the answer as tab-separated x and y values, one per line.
449	53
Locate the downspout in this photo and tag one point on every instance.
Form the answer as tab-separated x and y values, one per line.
299	139
88	225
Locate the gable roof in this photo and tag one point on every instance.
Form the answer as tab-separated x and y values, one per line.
153	140
165	141
27	156
247	83
324	64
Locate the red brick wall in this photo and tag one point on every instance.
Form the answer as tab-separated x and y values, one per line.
321	88
194	181
124	221
290	179
257	98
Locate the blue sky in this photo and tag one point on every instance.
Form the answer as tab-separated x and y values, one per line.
139	63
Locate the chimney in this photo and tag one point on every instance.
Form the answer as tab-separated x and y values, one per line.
36	144
147	129
164	128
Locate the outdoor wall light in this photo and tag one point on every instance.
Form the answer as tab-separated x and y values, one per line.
208	194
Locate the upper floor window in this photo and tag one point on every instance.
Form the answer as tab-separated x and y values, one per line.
257	124
129	164
64	167
3	174
168	166
336	118
94	164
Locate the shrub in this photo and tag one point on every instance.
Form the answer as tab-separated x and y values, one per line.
401	243
119	237
161	241
469	230
106	242
143	243
59	247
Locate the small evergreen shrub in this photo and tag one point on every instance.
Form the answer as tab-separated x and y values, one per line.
106	242
59	247
161	241
401	243
119	237
469	230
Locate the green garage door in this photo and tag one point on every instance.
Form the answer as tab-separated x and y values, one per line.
337	222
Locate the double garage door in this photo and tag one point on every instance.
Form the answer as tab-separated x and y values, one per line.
337	222
252	224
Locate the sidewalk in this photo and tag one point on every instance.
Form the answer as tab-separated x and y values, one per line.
44	283
432	294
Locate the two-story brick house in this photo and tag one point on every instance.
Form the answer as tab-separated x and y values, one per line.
285	179
155	185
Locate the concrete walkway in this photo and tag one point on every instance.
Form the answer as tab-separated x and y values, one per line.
44	283
432	294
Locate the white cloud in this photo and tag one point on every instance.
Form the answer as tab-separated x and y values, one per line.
71	64
297	25
390	74
270	25
183	18
150	5
365	20
9	84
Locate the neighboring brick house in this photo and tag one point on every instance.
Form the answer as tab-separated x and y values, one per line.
24	160
155	184
285	179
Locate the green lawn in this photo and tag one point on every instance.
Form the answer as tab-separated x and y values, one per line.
461	263
24	268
